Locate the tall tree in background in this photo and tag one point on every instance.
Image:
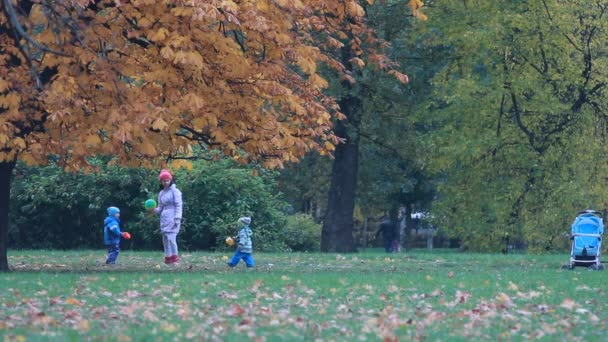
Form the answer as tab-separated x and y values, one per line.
385	138
394	171
144	81
358	45
519	118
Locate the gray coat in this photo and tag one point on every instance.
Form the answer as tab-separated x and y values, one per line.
244	236
170	209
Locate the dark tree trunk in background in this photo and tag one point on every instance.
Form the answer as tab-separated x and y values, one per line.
409	225
338	227
6	172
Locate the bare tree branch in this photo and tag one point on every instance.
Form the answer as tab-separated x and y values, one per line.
14	20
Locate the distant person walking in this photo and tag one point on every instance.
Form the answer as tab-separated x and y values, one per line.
387	229
170	210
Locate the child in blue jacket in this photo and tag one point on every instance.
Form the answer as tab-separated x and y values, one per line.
244	248
112	234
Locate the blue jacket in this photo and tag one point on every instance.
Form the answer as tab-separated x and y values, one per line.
111	231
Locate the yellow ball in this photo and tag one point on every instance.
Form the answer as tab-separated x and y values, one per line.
229	241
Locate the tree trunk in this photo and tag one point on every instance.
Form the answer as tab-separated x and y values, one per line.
6	173
409	225
337	234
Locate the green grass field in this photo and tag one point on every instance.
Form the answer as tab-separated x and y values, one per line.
419	295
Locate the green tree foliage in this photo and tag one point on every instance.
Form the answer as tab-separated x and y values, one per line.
517	121
393	171
306	183
54	209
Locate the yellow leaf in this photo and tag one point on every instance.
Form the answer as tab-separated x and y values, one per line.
194	101
159	35
10	100
170	328
3	85
415	4
167	53
159	124
333	42
401	77
180	163
37	15
262	5
73	301
348	78
147	149
28	159
19	142
318	81
329	146
307	65
195	59
93	139
355	10
357	61
84	326
182	12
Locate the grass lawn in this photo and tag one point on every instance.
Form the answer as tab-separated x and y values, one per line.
419	295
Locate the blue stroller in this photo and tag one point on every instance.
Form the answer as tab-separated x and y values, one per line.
586	235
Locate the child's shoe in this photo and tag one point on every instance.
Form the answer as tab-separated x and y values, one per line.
175	259
168	260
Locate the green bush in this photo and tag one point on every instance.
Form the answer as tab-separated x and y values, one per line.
53	209
218	193
302	233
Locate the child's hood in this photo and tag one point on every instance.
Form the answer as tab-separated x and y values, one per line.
110	219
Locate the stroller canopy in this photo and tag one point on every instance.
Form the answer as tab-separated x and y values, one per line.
588	222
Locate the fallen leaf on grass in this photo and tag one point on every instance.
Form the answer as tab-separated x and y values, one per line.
133	294
170	328
73	301
235	310
503	299
568	304
227	295
461	298
150	316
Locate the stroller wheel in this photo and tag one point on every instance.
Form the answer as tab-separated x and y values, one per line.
596	267
568	267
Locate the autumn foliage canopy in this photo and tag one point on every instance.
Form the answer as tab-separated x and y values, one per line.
144	79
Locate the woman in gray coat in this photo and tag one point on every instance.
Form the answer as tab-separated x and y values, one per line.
170	210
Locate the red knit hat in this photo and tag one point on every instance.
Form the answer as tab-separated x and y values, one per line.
165	174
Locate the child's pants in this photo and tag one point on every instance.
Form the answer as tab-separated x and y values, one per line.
238	255
113	251
170	244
